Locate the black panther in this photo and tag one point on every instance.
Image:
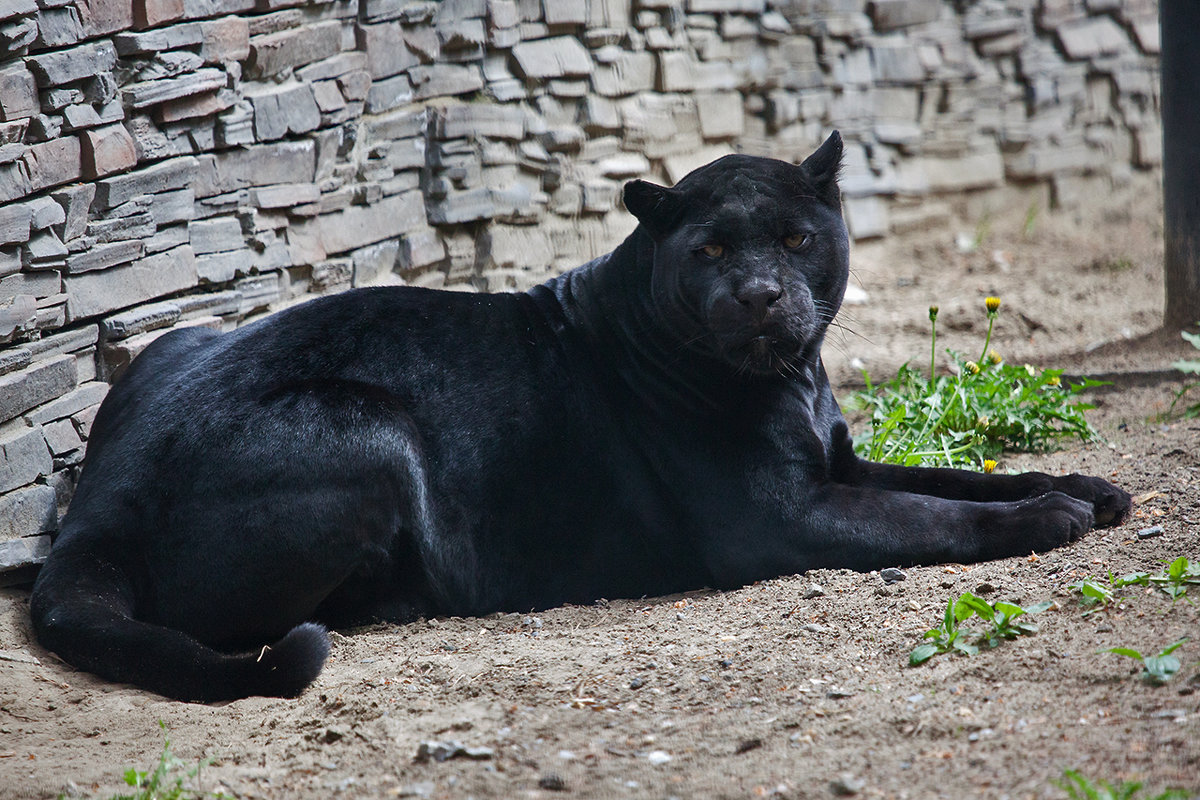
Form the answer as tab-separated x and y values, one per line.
656	420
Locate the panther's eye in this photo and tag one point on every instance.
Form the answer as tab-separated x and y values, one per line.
713	250
795	241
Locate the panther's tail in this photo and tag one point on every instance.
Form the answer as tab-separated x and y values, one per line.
82	608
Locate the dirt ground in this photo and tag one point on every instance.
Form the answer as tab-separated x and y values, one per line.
796	687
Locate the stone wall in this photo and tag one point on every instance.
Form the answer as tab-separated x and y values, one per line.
200	162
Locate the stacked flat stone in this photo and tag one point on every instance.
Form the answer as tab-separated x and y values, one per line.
166	163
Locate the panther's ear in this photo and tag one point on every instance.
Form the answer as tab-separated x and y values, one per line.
653	205
822	167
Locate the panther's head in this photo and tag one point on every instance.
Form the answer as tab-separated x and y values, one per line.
751	256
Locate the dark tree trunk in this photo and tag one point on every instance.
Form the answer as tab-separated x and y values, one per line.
1179	21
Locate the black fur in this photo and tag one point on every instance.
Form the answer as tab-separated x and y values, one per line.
656	420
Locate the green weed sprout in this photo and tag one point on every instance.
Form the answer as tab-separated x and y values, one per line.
968	418
1156	669
1174	580
166	781
1003	621
1188	367
1078	787
1094	593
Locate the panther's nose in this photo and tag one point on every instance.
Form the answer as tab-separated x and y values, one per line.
758	295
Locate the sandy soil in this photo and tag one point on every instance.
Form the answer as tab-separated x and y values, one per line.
796	687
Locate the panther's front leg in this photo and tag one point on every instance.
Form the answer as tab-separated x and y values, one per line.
1110	504
865	528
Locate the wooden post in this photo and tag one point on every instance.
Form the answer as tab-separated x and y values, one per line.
1179	22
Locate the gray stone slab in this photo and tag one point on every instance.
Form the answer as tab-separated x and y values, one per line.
18	8
225	266
13	359
105	256
273	53
728	6
262	165
94	293
149	93
216	235
43	251
385	49
866	217
285	195
896	61
209	304
52	163
471	119
38	383
19	553
439	80
628	74
178	205
15	223
552	58
88	394
16	36
46	212
374	262
134	226
18	93
722	114
173	174
166	238
75	64
59	27
24	456
71	341
565	12
457	207
287	110
389	93
39	284
14	181
139	320
358	226
258	292
333	67
171	37
1096	36
62	439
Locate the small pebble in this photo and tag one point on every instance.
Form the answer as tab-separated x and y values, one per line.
892	575
658	757
636	683
1151	532
1170	713
814	590
846	785
552	783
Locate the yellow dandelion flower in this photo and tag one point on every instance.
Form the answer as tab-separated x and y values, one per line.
989	466
971	367
992	304
1054	381
994	357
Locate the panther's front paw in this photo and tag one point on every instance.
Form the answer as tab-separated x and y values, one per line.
1110	504
1036	524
